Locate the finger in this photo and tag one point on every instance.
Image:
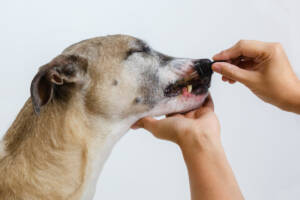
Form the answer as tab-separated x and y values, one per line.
233	72
232	81
225	79
146	121
209	103
247	48
156	127
190	114
135	126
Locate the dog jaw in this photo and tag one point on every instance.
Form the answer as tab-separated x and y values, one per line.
179	104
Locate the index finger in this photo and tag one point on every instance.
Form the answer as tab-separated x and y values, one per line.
209	103
245	48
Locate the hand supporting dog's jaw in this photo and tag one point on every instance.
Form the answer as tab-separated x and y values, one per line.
186	129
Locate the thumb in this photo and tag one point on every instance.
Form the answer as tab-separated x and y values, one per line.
232	72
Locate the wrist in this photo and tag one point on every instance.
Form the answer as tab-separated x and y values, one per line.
293	100
297	97
195	143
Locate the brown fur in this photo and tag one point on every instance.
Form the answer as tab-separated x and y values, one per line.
81	103
40	148
47	155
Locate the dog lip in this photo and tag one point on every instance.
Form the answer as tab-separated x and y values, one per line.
199	78
199	85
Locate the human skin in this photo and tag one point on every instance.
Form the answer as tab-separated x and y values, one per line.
265	69
198	135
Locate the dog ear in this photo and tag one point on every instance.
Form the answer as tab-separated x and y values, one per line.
63	70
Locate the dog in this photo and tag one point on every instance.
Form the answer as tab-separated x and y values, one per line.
82	102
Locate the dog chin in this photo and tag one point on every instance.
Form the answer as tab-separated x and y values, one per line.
178	104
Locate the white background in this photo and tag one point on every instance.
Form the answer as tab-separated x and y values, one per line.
262	142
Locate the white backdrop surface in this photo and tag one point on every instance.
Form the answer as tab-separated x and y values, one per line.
262	142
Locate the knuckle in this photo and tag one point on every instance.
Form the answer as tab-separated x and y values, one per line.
222	53
242	43
277	47
274	48
277	44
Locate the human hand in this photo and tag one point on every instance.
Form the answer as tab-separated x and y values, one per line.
265	69
198	134
197	128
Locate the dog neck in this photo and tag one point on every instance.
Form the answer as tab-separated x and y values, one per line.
100	149
61	152
2	149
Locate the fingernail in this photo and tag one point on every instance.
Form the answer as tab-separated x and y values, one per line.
216	67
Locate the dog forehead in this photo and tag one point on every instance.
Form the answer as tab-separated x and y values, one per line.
108	53
117	42
97	47
121	44
136	43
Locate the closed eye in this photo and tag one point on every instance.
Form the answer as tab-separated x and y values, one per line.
141	50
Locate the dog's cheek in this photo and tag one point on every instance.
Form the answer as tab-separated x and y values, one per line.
150	87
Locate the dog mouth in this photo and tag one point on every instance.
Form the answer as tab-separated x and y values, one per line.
192	84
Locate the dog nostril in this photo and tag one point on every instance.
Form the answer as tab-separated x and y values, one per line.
203	67
205	80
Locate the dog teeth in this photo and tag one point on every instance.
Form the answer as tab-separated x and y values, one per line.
189	88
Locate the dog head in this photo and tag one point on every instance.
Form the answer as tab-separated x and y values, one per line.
118	77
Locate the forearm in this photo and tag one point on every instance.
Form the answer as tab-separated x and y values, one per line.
292	101
297	98
211	177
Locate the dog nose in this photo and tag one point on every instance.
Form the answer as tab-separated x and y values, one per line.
203	67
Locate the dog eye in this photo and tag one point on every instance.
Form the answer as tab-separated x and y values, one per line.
142	50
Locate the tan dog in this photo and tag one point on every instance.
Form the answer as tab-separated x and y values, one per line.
81	103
